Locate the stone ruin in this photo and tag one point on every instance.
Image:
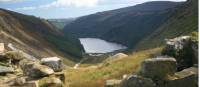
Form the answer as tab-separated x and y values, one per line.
20	71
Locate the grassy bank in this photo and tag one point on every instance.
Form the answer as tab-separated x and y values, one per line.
95	77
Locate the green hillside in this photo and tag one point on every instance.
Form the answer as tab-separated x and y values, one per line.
182	21
126	25
37	37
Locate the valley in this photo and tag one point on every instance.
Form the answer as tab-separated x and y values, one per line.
124	47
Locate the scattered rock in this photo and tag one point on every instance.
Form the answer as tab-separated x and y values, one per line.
53	62
112	83
158	68
4	70
50	82
137	81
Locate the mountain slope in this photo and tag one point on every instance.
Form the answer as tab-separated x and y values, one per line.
183	21
126	25
37	36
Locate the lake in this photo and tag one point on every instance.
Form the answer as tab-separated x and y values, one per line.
96	45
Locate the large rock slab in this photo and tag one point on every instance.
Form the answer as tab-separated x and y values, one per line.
158	68
53	62
113	83
137	81
4	70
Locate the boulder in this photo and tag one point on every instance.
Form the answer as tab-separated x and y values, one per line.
158	68
35	69
15	56
112	83
53	62
50	82
26	66
38	71
137	81
186	78
184	49
2	49
4	70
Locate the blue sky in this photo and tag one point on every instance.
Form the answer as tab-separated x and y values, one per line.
67	8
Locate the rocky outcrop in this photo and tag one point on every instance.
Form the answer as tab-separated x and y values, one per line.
161	72
158	68
53	62
184	49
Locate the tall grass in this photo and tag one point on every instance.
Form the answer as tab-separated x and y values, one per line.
95	77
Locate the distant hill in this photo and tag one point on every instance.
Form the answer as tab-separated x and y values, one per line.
126	25
182	21
61	23
37	36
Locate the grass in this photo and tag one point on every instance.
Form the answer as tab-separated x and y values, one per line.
95	77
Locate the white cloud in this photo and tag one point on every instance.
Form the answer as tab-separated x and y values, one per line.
63	3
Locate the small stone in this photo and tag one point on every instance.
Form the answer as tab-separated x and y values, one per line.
112	83
158	68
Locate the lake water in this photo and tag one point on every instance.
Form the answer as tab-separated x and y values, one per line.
96	45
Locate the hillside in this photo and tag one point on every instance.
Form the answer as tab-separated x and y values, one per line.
126	25
183	21
61	23
37	36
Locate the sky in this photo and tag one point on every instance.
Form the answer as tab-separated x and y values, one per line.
67	8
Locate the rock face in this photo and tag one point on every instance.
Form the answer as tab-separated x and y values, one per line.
53	62
4	70
137	81
113	83
158	68
184	49
2	49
